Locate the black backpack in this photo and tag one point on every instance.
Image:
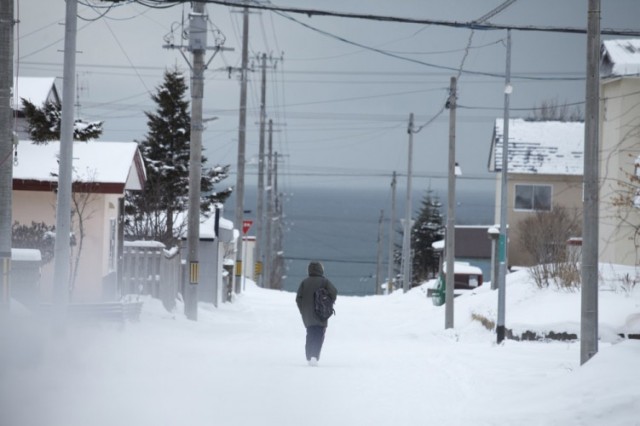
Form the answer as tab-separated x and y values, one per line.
323	304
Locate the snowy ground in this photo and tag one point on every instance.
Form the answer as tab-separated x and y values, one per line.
387	360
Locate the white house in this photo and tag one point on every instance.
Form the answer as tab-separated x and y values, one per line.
545	163
619	224
102	171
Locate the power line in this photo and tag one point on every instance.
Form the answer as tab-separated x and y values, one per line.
387	18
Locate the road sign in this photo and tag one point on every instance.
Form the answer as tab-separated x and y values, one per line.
246	224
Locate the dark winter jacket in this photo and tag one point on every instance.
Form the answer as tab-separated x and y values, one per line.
308	286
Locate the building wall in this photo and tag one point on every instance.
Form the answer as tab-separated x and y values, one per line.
565	191
620	146
35	206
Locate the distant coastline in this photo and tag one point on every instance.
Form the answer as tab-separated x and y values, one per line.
339	226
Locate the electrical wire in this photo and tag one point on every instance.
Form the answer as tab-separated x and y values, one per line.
124	52
451	24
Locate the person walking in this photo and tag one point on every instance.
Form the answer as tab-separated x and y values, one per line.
316	327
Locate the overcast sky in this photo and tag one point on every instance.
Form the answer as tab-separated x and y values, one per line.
341	110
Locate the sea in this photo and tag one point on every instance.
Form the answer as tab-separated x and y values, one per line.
341	227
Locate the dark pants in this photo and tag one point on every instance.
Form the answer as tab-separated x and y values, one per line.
315	339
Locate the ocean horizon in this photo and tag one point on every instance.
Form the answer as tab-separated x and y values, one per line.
339	227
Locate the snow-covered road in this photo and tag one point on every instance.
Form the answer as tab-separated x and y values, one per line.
386	361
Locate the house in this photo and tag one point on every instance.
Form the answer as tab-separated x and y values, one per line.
102	171
545	163
619	221
38	91
473	246
216	257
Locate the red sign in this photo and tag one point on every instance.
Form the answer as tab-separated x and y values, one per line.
246	224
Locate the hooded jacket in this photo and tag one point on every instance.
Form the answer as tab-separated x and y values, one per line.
304	297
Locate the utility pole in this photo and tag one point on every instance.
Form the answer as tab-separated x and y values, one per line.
589	303
260	202
278	270
379	257
406	236
197	46
242	132
391	234
268	241
502	239
6	150
62	249
451	209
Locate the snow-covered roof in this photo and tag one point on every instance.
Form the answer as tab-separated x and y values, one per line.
225	223
109	167
620	57
464	268
144	243
539	147
25	255
207	226
36	90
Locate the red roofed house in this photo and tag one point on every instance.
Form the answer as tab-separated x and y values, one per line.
102	171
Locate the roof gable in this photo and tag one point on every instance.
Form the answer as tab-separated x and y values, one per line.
108	167
539	147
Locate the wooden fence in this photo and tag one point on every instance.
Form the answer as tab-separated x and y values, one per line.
148	268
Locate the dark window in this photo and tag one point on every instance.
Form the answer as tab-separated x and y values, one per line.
533	197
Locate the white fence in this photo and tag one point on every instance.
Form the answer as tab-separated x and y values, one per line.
148	268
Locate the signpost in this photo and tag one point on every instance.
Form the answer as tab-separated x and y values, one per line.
246	225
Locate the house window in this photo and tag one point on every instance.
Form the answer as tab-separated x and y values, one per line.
533	197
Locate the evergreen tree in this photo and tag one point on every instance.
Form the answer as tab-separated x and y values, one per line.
427	229
152	213
43	124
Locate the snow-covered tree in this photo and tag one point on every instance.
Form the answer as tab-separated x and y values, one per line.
152	213
427	229
43	124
